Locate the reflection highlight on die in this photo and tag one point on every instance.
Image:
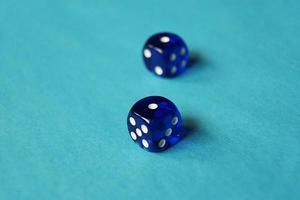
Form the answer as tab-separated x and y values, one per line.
155	123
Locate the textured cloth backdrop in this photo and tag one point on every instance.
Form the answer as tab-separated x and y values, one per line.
70	71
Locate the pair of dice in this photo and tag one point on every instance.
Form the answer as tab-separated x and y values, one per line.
154	122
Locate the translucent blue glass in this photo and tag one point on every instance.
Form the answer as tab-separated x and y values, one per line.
154	123
166	54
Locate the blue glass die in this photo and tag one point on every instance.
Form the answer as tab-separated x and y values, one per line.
154	123
166	54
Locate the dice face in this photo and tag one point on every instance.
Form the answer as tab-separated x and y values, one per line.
154	123
165	54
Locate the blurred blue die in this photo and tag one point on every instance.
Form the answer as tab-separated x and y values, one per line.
166	54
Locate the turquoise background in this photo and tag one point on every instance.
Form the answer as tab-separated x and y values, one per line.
71	70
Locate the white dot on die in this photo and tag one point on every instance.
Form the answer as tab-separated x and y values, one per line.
158	70
133	135
145	143
132	121
162	143
175	120
173	70
147	53
165	39
172	57
168	132
144	128
138	132
152	106
182	51
183	63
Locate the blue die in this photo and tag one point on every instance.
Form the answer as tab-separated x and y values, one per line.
154	123
166	54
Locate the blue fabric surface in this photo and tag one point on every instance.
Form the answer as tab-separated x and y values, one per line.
71	70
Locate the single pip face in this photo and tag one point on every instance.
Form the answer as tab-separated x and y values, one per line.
166	54
154	123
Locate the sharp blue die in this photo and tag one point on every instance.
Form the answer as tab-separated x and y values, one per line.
154	123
